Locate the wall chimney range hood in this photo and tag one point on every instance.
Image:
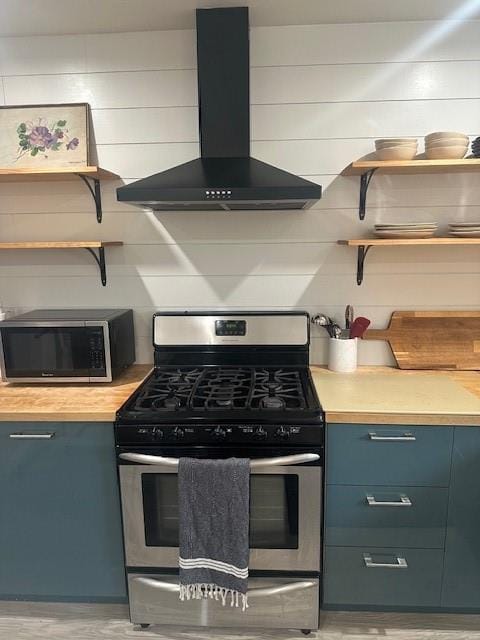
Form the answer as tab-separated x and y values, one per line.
225	177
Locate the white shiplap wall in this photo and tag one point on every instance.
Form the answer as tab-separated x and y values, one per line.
320	95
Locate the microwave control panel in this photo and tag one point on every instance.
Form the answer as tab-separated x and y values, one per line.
96	344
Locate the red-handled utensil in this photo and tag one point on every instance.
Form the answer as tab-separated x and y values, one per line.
358	327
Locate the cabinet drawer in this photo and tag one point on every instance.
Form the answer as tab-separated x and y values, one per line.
386	516
411	577
389	455
279	603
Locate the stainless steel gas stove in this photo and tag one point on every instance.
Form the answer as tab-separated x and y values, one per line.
229	384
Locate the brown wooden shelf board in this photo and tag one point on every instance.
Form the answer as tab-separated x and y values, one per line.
367	168
88	245
90	176
80	244
62	173
365	244
392	242
360	167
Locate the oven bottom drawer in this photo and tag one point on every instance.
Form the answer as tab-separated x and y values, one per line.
281	603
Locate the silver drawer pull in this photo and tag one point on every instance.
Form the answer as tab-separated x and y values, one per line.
400	563
31	436
172	587
406	437
403	502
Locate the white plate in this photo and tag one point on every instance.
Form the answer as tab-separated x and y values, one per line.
403	225
465	234
404	234
462	225
416	228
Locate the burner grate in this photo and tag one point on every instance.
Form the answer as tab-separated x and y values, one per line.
223	388
168	390
215	388
277	389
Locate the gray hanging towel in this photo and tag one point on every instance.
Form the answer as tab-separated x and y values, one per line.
214	515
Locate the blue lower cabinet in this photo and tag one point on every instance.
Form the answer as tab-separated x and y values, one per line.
389	455
60	533
382	577
386	516
461	586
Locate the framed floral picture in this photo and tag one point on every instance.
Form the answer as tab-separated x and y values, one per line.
44	136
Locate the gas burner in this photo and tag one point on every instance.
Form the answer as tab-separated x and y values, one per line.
171	402
272	402
166	402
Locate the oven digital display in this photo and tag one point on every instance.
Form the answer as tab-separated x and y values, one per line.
230	327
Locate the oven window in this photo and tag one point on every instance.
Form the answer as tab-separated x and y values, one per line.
273	510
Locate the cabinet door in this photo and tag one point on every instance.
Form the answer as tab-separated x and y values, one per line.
461	584
60	533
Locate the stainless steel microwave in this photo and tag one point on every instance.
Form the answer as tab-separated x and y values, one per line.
67	345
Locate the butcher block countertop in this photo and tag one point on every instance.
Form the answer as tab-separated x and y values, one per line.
375	395
96	402
386	395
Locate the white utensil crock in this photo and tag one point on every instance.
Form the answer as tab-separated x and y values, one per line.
342	355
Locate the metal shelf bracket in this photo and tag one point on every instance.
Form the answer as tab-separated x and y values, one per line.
361	255
100	260
364	184
95	192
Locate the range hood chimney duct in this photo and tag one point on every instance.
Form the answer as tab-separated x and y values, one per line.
223	82
225	177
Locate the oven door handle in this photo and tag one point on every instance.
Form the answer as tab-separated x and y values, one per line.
258	592
279	461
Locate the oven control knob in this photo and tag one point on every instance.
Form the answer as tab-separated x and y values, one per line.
282	432
157	434
178	433
260	433
219	434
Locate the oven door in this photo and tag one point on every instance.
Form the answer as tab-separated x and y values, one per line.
285	510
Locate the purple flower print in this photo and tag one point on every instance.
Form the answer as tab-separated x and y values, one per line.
73	144
41	137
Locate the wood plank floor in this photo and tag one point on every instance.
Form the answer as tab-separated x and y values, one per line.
32	621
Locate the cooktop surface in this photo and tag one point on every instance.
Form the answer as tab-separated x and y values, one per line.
223	392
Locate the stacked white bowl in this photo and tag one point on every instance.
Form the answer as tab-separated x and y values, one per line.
446	145
396	148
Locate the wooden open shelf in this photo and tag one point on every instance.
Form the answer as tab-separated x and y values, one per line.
62	173
91	176
80	244
412	166
89	245
366	168
365	244
392	242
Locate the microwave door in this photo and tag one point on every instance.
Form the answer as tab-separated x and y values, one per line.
46	352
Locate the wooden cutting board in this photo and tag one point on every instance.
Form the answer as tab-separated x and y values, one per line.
433	339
